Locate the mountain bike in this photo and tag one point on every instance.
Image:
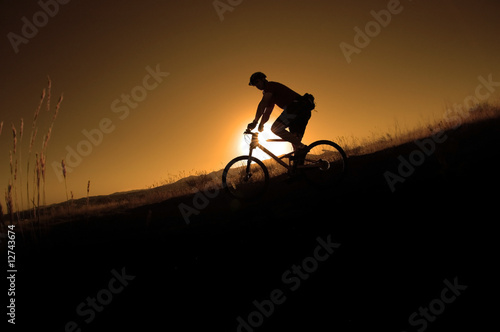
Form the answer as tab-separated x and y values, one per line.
247	177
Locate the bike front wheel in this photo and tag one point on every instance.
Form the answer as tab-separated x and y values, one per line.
325	163
245	177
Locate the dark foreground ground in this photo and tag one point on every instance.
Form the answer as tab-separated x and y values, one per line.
356	257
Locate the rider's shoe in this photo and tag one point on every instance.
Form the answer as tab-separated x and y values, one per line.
297	160
300	155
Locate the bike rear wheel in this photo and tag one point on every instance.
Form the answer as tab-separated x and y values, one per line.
245	177
325	163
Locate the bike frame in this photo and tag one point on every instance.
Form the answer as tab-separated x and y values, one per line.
256	144
320	156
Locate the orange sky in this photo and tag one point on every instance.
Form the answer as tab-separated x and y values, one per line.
162	86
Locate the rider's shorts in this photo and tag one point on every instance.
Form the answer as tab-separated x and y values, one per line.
295	116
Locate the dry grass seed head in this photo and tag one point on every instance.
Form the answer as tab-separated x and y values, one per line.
37	111
49	86
14	136
21	129
63	164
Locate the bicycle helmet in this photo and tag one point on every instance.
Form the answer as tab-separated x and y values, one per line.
256	76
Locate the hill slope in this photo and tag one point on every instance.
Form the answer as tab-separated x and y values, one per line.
349	258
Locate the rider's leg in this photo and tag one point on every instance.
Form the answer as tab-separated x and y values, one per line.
298	126
279	128
285	120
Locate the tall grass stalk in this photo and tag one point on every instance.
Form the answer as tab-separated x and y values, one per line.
34	131
49	88
63	165
21	134
8	201
13	169
46	140
8	197
38	170
88	192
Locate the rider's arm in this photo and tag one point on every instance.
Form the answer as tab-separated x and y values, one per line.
266	115
264	105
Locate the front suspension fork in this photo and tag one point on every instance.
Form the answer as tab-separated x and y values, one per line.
248	173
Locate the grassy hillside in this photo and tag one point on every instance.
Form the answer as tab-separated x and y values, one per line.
460	136
412	216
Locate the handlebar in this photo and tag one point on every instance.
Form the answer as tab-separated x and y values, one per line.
247	131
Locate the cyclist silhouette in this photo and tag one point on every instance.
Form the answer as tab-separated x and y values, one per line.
296	110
